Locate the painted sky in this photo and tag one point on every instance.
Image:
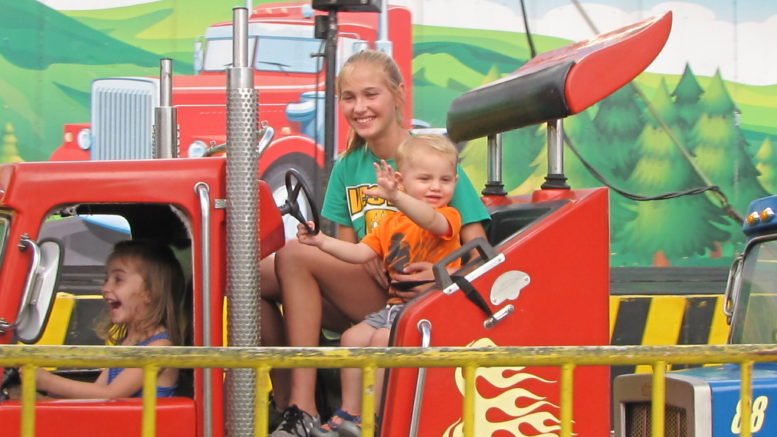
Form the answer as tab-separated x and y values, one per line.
737	37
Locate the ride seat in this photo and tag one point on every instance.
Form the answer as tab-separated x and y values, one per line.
507	220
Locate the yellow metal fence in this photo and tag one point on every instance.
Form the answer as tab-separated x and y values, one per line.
369	359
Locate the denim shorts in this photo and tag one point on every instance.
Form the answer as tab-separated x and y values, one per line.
384	318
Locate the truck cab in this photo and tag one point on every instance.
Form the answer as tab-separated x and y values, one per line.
705	401
188	214
289	74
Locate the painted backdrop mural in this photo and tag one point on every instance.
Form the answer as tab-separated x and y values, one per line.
703	113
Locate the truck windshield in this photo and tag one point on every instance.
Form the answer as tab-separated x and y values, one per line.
755	311
281	47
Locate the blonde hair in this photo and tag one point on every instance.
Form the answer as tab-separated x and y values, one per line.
163	278
391	75
425	143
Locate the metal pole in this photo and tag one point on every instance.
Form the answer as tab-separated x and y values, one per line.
330	147
555	177
165	123
242	228
494	184
383	43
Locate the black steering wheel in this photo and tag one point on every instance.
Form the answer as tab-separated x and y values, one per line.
291	207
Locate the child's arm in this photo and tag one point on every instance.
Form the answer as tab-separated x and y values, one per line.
355	253
126	384
416	209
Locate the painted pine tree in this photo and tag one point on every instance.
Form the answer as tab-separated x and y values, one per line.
619	122
582	133
766	164
666	231
525	162
9	151
720	150
686	98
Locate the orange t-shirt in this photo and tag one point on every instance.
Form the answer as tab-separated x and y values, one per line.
400	241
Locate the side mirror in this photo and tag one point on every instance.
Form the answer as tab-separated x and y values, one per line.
40	289
732	287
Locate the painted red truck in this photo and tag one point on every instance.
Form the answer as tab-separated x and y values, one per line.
540	278
289	75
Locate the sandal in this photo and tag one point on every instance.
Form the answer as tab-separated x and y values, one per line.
339	417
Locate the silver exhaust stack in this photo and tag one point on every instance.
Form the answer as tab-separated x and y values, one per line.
242	227
165	120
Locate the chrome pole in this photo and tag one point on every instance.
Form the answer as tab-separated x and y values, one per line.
242	228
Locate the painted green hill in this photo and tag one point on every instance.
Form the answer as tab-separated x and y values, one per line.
47	75
59	40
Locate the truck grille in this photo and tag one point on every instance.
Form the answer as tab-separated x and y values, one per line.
638	423
123	118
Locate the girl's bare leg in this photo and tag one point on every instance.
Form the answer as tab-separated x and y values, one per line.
310	278
272	328
359	335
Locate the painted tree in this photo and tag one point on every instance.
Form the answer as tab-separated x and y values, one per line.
720	149
670	229
686	98
582	133
766	164
8	148
524	157
619	123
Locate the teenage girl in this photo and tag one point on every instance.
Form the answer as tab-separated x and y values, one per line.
142	279
319	290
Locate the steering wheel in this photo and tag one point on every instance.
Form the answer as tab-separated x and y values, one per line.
291	207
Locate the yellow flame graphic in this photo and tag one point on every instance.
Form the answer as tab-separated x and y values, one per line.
522	419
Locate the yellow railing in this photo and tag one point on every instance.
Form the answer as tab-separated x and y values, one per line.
263	359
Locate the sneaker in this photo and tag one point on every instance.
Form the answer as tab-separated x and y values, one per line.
296	423
332	427
274	416
349	429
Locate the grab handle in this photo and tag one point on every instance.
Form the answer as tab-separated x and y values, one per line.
485	250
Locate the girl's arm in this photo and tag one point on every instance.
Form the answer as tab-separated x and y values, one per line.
125	385
470	231
346	233
355	253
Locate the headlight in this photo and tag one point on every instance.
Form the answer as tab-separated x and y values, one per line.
197	149
84	139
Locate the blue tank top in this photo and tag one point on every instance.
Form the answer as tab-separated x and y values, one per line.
161	391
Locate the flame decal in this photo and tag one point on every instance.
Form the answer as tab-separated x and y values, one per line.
521	419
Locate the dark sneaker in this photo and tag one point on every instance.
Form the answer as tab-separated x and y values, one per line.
274	416
296	423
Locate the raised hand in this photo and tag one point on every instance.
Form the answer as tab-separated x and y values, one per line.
388	187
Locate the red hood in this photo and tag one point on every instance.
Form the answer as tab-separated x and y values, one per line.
262	80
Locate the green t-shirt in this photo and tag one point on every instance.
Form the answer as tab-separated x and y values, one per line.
352	174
